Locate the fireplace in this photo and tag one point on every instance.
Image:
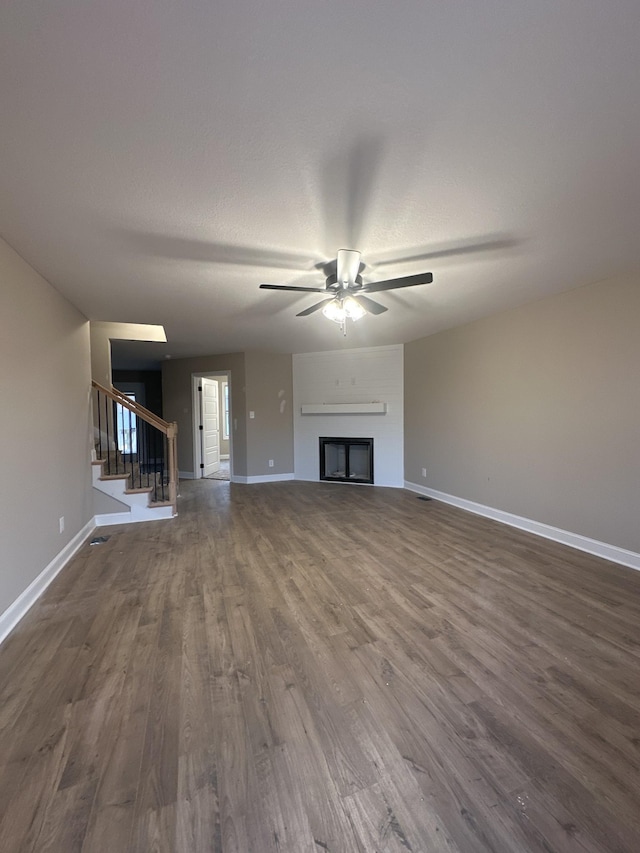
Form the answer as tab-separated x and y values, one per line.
346	459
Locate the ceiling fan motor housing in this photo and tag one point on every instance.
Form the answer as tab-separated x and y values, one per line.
332	282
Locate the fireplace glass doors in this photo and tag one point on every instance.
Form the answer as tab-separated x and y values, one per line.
346	459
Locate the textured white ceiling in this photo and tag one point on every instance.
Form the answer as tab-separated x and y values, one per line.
160	159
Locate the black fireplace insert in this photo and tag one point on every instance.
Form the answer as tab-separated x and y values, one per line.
347	460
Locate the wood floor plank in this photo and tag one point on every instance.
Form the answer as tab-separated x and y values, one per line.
156	794
66	820
117	774
588	810
24	813
318	668
198	814
234	765
302	758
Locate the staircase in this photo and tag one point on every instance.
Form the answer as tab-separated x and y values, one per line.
135	456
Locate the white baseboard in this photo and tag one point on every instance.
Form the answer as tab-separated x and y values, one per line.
402	485
136	515
14	613
187	475
266	478
573	540
106	518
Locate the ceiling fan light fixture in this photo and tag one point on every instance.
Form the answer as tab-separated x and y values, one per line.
334	311
344	308
352	308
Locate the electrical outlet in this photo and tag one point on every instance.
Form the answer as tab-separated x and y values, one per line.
271	463
424	472
61	523
252	414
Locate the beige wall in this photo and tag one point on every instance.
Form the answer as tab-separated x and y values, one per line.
260	382
103	332
45	379
100	353
269	395
536	411
178	403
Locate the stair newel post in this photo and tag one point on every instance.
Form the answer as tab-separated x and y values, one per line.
107	419
121	443
131	431
172	433
153	455
153	437
145	454
99	424
151	461
160	456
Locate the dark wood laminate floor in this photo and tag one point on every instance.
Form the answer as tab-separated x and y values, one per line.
311	668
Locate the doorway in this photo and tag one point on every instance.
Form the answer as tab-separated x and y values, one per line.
209	426
212	446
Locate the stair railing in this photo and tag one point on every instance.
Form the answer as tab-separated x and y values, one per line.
134	442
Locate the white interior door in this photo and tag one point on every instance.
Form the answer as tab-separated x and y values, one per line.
210	427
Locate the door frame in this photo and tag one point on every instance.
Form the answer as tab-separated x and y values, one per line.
220	375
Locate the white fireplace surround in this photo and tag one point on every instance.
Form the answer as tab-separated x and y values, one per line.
350	393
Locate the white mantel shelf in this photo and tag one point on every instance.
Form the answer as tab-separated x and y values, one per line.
344	409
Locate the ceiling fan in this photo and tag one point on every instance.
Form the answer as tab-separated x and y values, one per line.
344	293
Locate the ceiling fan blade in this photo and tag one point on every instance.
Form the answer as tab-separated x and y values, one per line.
348	266
393	283
371	306
313	309
291	287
